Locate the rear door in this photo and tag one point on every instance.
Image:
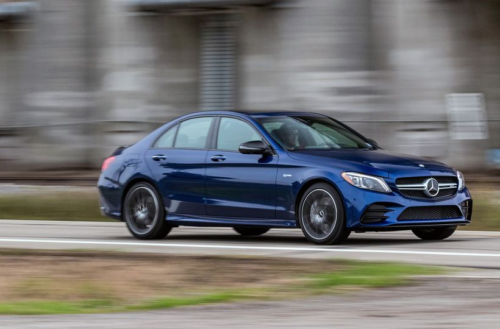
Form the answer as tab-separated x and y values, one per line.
177	161
239	185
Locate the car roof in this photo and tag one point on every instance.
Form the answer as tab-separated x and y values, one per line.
261	114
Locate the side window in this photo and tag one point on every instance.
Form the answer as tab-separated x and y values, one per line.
233	132
167	139
193	133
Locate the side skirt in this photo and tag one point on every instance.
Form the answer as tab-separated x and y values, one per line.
186	220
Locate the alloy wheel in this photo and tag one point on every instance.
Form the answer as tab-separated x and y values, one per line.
142	210
319	214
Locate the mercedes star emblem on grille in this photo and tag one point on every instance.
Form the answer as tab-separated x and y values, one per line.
431	187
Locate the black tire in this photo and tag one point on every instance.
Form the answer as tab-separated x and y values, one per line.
321	215
438	233
251	231
144	213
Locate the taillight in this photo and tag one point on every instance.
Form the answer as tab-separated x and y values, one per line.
107	162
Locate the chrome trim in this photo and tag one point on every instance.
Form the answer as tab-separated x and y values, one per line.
425	187
418	187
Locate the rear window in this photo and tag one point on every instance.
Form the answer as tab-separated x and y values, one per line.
193	133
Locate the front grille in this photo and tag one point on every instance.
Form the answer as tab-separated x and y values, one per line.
433	212
418	180
409	187
417	194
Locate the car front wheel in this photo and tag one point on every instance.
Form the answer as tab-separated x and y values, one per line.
321	215
438	233
144	213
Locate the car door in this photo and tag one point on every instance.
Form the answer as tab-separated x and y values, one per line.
177	161
239	185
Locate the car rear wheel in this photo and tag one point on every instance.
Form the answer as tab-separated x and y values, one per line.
438	233
251	231
321	215
144	213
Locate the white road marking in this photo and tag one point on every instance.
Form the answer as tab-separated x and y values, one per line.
268	248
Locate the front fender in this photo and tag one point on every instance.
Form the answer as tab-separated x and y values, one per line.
291	182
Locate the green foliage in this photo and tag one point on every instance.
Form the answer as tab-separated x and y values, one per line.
371	275
51	206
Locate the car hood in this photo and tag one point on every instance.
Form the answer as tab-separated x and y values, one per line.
375	162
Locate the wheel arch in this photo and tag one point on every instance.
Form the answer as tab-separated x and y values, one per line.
307	185
131	183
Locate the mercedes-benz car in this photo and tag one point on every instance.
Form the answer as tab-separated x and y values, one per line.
258	171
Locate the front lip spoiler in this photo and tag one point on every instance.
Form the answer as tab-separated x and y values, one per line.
398	227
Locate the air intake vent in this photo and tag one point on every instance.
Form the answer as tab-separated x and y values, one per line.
467	209
375	213
433	212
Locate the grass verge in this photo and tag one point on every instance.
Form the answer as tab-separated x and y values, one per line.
486	209
48	205
89	282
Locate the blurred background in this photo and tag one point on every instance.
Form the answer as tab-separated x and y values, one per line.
80	78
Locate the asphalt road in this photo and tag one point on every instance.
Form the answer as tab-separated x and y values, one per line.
464	248
465	299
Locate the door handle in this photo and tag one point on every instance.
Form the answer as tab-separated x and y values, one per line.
218	158
159	157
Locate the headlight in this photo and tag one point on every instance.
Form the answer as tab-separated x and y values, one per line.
366	182
461	181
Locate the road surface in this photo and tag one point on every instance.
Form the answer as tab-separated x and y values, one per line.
464	248
465	299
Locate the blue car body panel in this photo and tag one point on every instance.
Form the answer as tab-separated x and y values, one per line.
243	186
256	190
180	179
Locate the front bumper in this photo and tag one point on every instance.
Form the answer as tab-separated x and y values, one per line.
359	203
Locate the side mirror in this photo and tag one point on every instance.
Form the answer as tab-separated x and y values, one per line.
254	147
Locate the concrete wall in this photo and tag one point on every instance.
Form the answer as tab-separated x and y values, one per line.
384	66
435	48
83	77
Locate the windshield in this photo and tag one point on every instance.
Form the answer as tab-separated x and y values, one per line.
312	133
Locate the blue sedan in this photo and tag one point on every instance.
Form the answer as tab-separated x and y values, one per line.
257	171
